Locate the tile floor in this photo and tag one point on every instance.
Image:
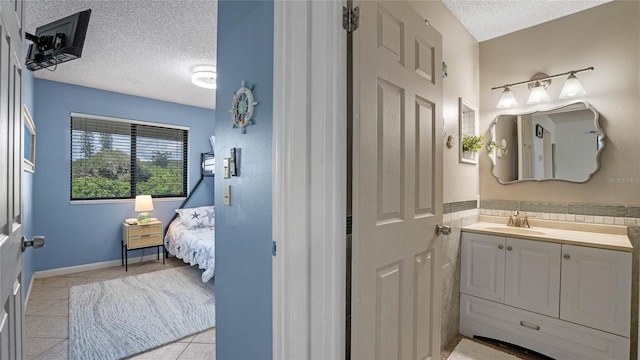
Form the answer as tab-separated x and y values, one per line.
47	317
506	348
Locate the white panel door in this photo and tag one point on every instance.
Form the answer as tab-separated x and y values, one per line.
596	288
397	184
532	279
11	127
482	266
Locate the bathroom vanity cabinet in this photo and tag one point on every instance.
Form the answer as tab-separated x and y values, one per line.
564	301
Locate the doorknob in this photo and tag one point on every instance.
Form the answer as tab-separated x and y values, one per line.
36	241
443	229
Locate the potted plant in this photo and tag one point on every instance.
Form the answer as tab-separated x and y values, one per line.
472	143
491	146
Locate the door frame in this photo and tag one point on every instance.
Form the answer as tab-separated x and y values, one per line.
309	180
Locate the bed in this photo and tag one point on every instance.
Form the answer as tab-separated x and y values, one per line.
191	237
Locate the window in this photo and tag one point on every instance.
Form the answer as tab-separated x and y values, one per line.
119	159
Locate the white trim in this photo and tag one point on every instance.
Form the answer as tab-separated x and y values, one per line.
28	294
122	201
129	121
309	180
87	267
29	164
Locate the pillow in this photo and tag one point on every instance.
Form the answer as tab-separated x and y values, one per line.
200	217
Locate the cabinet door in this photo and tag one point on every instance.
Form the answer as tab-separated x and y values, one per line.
532	280
482	266
596	288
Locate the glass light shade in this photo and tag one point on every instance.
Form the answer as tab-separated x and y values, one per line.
507	99
204	79
538	95
572	88
143	205
204	76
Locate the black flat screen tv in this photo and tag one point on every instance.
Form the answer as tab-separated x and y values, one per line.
58	42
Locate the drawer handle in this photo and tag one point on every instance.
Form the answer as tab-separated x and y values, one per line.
500	246
145	235
509	248
529	325
567	257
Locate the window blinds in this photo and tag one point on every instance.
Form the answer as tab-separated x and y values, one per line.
115	159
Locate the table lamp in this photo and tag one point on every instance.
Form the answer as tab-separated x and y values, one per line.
143	205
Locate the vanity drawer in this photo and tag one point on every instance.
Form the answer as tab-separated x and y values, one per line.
552	337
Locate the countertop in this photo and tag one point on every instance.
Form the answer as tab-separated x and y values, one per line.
611	237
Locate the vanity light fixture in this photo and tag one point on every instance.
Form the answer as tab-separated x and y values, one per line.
538	94
572	88
204	76
507	99
538	84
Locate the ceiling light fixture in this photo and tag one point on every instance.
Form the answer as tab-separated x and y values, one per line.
538	85
204	76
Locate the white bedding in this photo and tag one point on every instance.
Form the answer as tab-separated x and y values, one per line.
193	246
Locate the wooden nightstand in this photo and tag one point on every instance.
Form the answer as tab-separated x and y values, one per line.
141	236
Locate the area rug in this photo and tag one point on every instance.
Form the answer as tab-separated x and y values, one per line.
118	318
470	350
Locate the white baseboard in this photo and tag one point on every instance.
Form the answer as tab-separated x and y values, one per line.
26	297
93	266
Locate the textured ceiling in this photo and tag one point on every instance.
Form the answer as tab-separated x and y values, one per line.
137	47
487	19
148	47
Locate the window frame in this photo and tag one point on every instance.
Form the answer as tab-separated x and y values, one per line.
30	133
132	195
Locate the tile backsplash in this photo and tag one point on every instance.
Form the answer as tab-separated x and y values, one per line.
588	213
454	207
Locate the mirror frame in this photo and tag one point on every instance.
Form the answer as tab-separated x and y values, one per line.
462	103
30	127
596	124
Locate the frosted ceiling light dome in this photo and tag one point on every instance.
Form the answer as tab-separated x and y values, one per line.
204	76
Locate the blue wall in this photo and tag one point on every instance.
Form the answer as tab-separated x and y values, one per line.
27	187
87	233
243	230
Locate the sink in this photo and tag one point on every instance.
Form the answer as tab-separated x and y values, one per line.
515	230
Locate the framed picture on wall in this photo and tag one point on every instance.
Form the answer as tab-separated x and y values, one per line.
539	131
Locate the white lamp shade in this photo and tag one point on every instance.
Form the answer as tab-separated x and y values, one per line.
572	88
507	99
144	203
538	95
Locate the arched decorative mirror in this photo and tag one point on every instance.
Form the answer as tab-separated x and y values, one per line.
558	144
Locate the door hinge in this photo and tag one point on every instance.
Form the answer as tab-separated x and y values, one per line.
274	248
350	18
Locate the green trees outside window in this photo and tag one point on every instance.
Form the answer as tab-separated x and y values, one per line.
116	160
